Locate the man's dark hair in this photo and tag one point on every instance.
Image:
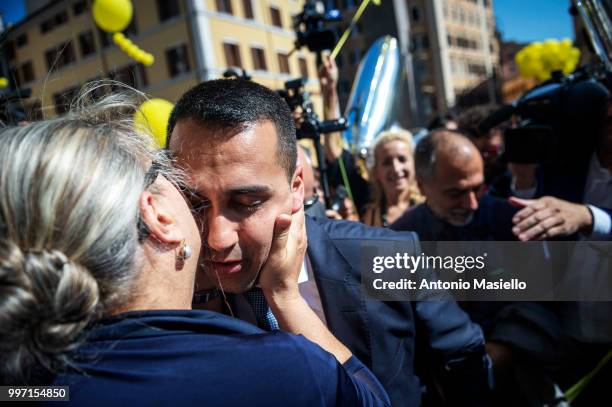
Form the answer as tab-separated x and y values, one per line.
470	122
230	104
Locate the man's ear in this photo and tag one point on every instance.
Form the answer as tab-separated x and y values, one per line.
297	189
160	222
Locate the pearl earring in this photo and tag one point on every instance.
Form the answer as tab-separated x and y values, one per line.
184	251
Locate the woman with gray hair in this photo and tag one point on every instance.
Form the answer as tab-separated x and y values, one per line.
98	255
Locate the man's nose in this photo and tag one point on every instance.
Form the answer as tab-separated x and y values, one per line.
471	201
221	232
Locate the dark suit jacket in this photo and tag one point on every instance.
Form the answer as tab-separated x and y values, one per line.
531	327
203	358
492	221
383	334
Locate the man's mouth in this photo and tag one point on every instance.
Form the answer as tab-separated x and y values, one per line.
224	267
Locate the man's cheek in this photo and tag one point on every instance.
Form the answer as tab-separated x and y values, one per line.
258	236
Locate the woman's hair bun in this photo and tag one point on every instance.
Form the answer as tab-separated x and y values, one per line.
46	301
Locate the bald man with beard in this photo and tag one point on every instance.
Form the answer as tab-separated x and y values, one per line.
450	174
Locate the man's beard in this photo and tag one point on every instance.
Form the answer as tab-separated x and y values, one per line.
457	221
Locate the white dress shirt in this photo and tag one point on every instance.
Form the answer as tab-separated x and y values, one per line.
598	192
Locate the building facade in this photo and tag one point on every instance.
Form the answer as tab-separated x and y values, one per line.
58	48
449	46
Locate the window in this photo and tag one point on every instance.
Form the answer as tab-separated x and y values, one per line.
46	26
61	18
100	90
60	56
420	42
232	55
166	9
10	50
57	20
416	14
79	7
283	63
86	43
276	17
477	69
133	75
105	38
27	72
22	40
15	76
303	67
178	61
259	59
63	99
34	111
224	6
248	9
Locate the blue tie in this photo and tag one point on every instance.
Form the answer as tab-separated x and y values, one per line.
263	313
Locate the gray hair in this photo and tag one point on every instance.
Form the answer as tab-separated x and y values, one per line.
69	208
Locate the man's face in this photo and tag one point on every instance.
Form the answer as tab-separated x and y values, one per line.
453	191
238	177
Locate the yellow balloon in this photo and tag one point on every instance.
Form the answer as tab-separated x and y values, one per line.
152	118
118	38
541	59
112	15
131	49
139	55
3	82
147	59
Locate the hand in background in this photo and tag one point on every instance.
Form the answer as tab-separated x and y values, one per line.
328	76
549	217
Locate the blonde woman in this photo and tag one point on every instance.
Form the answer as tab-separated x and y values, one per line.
98	256
393	184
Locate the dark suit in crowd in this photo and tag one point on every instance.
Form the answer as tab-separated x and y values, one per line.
384	334
492	221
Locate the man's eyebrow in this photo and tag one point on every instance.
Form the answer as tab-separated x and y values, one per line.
250	189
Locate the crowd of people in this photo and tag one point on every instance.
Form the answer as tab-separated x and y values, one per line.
212	272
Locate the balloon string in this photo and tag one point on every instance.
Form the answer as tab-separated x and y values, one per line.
345	180
576	389
132	50
347	32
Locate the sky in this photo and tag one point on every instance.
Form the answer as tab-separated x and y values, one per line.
519	20
533	20
13	10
